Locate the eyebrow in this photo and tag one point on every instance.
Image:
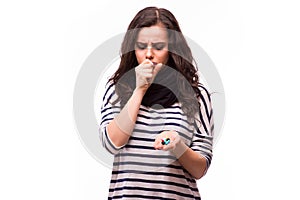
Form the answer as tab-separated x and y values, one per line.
153	43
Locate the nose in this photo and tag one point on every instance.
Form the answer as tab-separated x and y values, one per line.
149	53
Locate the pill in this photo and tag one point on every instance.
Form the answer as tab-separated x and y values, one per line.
165	141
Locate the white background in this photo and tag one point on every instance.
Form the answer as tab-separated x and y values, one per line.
254	44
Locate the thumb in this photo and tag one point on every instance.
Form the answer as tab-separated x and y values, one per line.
156	69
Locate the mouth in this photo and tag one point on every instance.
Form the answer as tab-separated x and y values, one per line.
154	63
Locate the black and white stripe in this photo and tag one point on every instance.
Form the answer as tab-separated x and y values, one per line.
140	171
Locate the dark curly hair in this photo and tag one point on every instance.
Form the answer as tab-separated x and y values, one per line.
180	58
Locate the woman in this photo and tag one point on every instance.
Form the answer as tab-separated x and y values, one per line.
156	116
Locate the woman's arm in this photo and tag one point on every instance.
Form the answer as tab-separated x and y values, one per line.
192	161
120	128
196	158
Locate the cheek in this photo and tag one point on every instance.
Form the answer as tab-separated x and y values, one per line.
139	56
164	56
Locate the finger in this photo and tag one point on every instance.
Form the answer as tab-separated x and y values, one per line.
168	147
148	75
157	68
147	61
147	70
157	144
147	66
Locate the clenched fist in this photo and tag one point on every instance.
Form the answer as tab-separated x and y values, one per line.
145	73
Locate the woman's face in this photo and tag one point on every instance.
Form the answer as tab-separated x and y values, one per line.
152	44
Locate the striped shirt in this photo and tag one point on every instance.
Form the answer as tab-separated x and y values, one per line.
141	172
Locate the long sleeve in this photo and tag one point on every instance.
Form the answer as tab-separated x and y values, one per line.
108	113
202	141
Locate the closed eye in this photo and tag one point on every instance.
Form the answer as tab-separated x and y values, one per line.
141	45
159	45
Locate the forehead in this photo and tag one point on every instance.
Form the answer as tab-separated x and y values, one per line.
153	34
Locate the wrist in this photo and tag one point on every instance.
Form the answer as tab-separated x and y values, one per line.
179	149
139	92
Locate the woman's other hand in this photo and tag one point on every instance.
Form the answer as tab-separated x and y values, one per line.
176	145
